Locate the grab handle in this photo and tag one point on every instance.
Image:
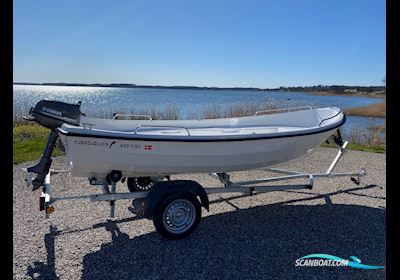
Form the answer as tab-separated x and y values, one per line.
166	126
300	108
116	115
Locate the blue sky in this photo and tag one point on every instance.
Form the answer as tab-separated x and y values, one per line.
201	43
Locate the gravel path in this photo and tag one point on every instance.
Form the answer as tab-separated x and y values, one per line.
242	237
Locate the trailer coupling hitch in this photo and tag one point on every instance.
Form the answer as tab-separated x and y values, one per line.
43	167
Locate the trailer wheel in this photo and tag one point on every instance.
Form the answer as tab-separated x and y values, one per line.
177	216
139	184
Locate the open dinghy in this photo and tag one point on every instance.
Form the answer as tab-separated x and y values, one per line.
163	147
147	151
136	148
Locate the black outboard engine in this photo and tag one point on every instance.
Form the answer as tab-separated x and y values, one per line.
51	114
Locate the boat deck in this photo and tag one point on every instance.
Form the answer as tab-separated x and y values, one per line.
272	125
214	131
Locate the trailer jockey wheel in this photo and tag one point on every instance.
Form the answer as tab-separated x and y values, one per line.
139	184
177	216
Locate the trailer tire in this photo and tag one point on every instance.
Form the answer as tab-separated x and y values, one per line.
139	184
178	215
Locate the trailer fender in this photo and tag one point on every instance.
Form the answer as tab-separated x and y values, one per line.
162	189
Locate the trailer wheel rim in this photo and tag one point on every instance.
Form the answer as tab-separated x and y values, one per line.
143	183
179	216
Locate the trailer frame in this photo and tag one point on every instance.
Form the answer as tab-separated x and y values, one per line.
188	189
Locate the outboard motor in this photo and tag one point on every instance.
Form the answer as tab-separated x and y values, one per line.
51	114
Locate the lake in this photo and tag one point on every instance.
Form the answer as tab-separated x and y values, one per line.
97	101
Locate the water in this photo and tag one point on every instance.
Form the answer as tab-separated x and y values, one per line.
99	101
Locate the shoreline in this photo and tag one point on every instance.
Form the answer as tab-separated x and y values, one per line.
324	93
376	110
176	87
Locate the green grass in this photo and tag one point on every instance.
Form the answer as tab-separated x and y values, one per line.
29	142
361	147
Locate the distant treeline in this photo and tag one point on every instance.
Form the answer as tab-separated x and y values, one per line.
336	89
139	86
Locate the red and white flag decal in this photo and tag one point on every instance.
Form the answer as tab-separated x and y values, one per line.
148	147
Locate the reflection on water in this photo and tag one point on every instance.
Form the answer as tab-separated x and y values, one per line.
99	101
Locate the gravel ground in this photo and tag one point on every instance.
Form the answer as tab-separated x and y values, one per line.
242	237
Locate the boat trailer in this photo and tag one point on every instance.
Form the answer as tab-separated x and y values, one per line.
173	204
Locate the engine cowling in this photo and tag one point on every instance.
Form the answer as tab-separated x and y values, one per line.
53	114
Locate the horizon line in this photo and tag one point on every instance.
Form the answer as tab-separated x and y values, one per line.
189	86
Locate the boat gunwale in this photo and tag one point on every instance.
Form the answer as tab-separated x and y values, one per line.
225	138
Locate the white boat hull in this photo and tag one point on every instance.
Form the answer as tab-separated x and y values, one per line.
98	147
97	156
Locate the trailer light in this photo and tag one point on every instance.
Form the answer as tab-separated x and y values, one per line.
49	209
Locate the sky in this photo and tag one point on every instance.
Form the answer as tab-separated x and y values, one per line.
263	44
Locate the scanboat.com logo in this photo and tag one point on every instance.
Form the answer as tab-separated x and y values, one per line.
329	260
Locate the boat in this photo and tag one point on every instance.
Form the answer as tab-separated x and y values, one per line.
147	151
145	147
